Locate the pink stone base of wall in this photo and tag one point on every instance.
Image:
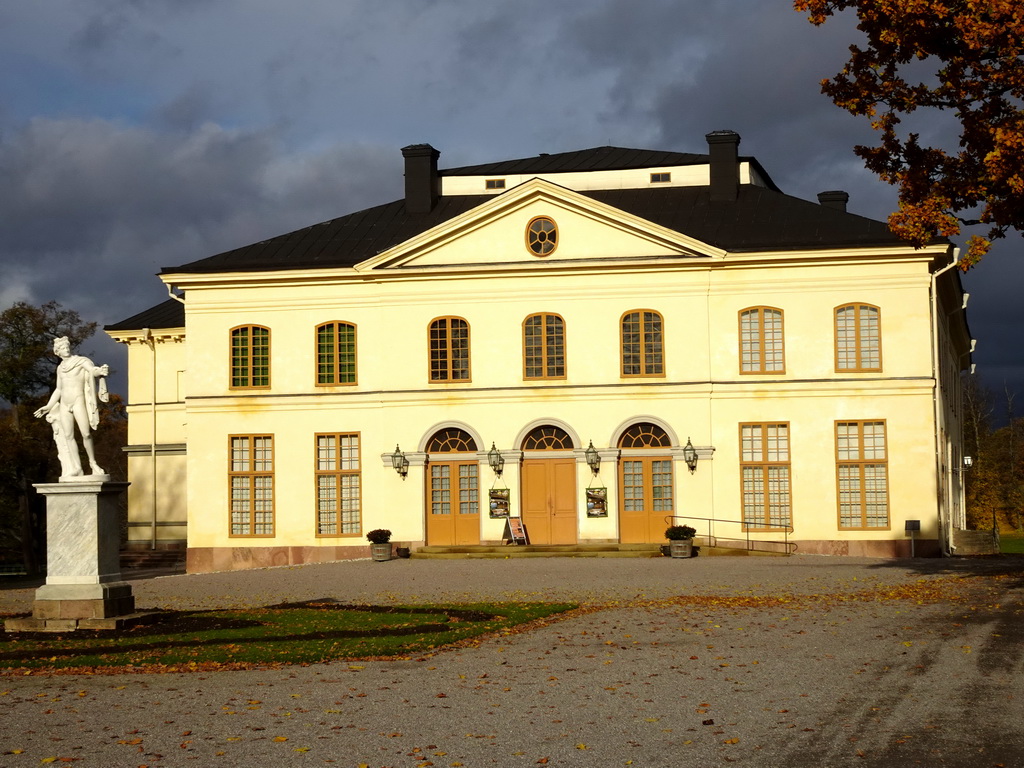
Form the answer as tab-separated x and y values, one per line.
868	548
212	559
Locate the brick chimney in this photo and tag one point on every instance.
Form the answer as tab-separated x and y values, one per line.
723	147
421	183
835	198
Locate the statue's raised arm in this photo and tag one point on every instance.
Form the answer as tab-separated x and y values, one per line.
74	402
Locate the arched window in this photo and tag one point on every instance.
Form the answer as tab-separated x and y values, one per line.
449	349
451	440
547	438
645	436
761	342
642	344
336	353
250	357
544	347
858	338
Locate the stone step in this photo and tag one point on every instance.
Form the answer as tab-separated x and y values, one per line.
501	552
134	559
602	547
968	543
574	550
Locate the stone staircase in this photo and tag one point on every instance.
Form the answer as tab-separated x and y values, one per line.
152	559
501	552
969	543
509	551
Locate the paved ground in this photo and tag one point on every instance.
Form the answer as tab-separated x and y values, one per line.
644	682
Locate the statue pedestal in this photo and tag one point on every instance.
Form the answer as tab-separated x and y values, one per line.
83	588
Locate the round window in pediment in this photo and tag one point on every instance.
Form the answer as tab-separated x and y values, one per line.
541	236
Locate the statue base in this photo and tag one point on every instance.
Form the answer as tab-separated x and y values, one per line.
84	588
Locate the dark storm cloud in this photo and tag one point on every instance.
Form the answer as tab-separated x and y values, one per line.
93	209
137	134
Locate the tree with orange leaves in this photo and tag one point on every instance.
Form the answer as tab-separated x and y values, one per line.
964	56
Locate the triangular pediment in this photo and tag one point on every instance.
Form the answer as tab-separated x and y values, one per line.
494	234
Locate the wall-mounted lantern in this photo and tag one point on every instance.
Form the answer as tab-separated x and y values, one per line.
496	460
968	462
593	458
400	462
690	456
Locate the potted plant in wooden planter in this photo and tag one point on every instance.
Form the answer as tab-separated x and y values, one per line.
680	539
380	544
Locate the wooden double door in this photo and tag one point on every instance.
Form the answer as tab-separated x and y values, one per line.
549	500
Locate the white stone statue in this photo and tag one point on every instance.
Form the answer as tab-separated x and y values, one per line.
74	401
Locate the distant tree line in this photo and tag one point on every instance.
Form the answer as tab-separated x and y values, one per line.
27	451
993	485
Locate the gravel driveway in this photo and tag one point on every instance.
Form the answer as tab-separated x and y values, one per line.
866	663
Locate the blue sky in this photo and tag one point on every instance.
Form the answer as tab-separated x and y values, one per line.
139	134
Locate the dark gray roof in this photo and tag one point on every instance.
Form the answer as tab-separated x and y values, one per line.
760	219
594	159
168	314
340	242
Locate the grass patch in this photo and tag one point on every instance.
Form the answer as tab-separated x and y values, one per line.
299	633
1011	543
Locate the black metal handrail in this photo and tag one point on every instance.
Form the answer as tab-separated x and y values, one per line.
713	539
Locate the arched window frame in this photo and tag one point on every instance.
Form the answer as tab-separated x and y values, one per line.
644	435
451	440
448	352
336	359
546	359
649	359
547	437
249	357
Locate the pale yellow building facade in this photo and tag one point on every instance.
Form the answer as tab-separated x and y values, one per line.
651	306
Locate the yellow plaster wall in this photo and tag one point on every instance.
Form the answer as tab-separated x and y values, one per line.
702	397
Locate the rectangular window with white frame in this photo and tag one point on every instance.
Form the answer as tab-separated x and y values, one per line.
862	469
765	471
338	485
251	479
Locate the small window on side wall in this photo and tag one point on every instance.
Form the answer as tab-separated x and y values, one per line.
494	184
661	178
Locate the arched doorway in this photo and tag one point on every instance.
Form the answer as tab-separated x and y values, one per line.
549	486
453	489
645	483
